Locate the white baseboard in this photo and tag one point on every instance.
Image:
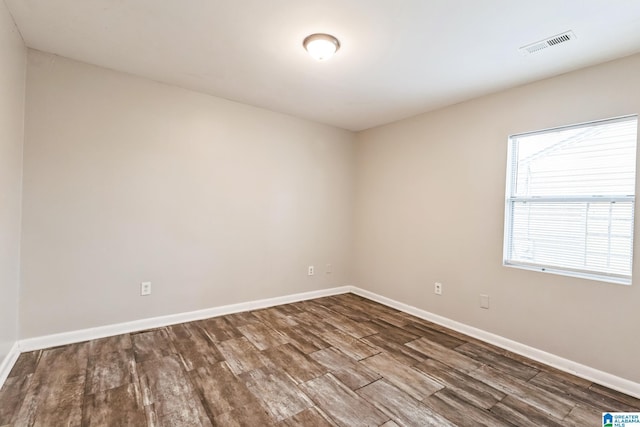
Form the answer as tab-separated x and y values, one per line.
594	375
603	378
7	363
64	338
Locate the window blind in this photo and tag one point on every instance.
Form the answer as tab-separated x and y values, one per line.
570	200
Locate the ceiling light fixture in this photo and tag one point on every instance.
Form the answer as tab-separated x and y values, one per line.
321	46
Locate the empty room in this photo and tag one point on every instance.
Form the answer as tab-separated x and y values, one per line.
319	213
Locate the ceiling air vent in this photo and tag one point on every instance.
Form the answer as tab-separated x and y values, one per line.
551	41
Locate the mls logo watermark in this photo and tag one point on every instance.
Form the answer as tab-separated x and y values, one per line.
621	419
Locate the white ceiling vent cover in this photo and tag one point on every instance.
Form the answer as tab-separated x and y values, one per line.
551	41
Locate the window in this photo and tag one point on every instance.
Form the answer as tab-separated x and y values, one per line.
570	200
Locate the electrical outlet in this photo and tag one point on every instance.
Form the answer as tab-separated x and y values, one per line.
145	288
328	269
484	301
311	271
438	288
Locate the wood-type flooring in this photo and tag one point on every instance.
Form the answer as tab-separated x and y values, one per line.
341	360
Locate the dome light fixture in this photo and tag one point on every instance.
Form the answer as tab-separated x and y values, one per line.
321	46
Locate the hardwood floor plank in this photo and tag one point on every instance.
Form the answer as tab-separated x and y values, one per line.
247	416
439	328
526	361
620	397
62	362
26	364
341	404
375	310
262	336
240	354
556	405
306	343
401	352
422	331
351	327
62	404
565	376
473	391
110	370
186	418
582	416
348	371
341	322
295	363
390	332
520	414
311	417
350	312
193	345
58	403
120	406
349	345
289	309
12	395
277	393
325	301
314	307
461	412
153	344
275	317
110	344
220	390
379	312
28	410
401	407
557	385
218	329
241	319
56	390
312	323
182	419
150	415
498	361
411	381
393	318
165	384
445	355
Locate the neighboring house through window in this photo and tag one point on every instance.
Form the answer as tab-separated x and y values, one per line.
570	200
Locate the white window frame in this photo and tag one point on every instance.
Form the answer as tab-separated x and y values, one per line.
511	199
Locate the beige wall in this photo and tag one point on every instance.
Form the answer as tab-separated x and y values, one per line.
12	81
128	180
430	207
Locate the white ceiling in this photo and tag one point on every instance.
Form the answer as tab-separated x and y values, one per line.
398	57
